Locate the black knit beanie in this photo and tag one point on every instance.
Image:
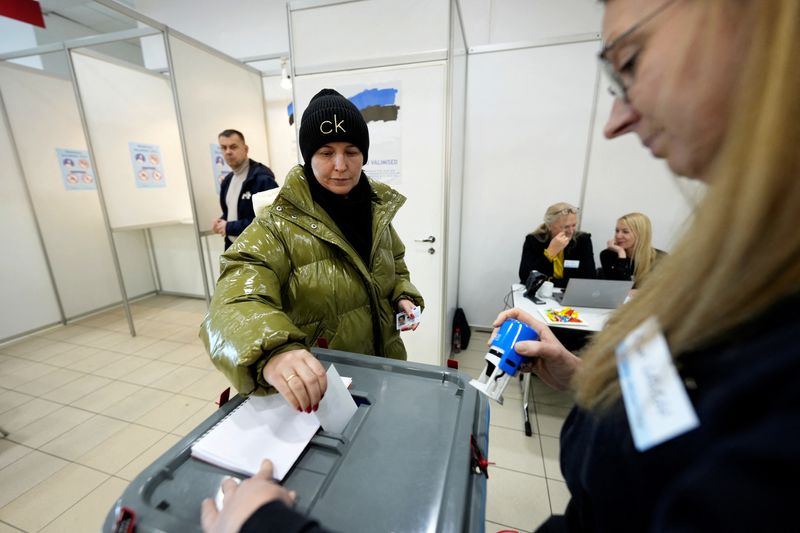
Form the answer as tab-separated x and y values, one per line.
330	117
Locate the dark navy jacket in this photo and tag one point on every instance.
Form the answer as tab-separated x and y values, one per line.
259	178
738	471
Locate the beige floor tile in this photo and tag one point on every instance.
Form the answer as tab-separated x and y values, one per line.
51	381
550	419
184	334
137	403
49	427
90	512
509	415
10	399
183	354
76	389
96	361
25	473
151	328
107	342
550	451
42	504
23	414
25	346
120	449
45	352
559	496
491	527
65	332
148	457
133	344
471	358
159	348
12	364
8	528
122	367
179	379
24	374
516	499
174	411
209	387
70	357
11	451
83	437
208	409
149	373
512	450
104	397
88	336
202	361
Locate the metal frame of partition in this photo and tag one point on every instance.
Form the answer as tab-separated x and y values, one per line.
155	28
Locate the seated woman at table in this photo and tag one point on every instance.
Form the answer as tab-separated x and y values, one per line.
557	249
630	254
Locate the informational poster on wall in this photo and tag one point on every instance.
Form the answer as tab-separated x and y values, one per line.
380	106
148	169
76	169
220	168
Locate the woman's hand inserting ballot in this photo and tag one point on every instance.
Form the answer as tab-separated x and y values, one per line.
299	377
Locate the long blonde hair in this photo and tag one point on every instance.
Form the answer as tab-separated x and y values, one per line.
727	269
643	253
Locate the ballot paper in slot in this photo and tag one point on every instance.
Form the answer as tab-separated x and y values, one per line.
267	427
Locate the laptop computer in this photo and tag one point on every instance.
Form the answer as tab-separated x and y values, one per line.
599	293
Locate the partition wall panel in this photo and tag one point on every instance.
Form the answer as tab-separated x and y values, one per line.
26	290
125	104
44	118
215	94
624	177
528	118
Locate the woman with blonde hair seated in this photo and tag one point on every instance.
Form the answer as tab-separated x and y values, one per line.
630	254
557	249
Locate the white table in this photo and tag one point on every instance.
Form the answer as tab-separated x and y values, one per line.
595	320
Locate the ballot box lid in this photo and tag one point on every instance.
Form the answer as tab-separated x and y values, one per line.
403	463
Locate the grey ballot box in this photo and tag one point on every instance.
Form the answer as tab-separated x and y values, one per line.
403	463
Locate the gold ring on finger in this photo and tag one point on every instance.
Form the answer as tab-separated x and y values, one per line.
290	378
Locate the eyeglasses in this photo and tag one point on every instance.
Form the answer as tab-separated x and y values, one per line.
567	211
623	78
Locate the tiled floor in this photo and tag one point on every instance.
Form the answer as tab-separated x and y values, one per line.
88	407
525	483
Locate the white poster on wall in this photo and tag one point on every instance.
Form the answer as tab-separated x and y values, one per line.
380	106
148	169
220	168
76	169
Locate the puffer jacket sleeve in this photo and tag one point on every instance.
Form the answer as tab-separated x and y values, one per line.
403	287
245	324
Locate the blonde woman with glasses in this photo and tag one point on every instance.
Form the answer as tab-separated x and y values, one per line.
557	249
630	254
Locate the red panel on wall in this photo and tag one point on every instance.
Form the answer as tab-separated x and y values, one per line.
24	10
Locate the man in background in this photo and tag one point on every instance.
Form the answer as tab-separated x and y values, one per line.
238	187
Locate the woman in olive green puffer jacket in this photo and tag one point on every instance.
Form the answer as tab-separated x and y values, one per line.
292	277
295	275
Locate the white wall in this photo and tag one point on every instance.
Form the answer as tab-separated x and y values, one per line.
240	28
281	134
26	292
44	116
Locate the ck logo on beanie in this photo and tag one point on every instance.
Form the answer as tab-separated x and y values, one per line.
327	127
330	117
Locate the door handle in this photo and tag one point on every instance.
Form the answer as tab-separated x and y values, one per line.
430	238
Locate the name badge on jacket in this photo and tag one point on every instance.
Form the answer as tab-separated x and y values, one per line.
656	401
571	263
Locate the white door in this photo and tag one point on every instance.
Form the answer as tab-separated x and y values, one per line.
420	143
